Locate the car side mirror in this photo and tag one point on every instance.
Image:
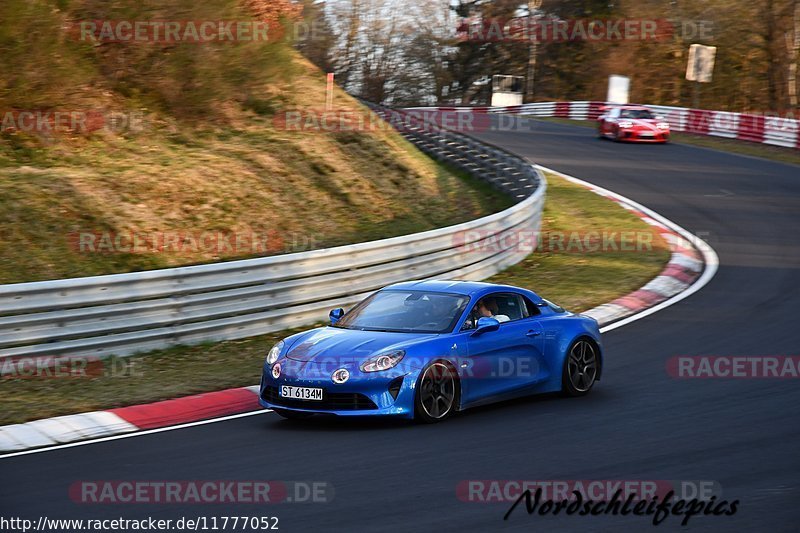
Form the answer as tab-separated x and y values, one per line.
485	325
335	315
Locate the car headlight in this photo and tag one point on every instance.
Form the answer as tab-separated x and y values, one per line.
663	125
274	353
625	124
383	361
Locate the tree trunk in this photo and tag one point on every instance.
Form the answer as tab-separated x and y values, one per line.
793	47
773	59
533	49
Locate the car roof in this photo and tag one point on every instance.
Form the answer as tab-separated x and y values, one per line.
467	288
630	106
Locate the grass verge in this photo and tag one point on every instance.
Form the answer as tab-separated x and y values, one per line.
565	272
578	281
764	151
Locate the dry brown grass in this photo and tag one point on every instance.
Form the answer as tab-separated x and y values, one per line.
244	175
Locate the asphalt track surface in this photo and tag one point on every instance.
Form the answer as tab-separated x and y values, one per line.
638	423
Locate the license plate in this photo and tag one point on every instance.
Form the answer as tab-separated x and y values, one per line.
301	393
647	134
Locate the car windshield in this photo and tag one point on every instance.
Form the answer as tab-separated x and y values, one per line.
406	311
636	113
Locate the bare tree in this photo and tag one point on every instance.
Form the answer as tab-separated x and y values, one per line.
793	47
408	51
530	79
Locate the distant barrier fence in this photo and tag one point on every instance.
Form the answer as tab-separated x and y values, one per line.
127	313
765	129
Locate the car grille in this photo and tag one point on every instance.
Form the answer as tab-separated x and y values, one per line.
332	401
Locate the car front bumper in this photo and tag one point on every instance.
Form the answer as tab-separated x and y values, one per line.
390	392
643	136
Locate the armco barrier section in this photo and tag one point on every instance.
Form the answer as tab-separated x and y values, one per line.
127	313
495	165
765	129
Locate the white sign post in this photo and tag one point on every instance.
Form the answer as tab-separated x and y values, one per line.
618	89
700	67
507	90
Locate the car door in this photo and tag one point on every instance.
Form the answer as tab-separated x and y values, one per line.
610	120
506	360
602	120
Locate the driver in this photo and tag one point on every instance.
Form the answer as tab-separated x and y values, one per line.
438	312
488	307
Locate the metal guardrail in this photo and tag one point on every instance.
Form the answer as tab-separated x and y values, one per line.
504	170
127	313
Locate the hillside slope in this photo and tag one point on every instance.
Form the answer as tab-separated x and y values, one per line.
197	149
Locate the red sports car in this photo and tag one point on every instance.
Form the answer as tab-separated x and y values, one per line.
632	123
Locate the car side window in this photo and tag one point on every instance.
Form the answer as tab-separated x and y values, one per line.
505	307
614	113
531	307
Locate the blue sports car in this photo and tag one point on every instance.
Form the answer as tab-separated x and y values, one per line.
426	349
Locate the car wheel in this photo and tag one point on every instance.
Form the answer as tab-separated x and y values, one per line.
581	368
293	415
437	393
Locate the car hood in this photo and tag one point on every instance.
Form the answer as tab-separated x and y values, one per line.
644	122
353	345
